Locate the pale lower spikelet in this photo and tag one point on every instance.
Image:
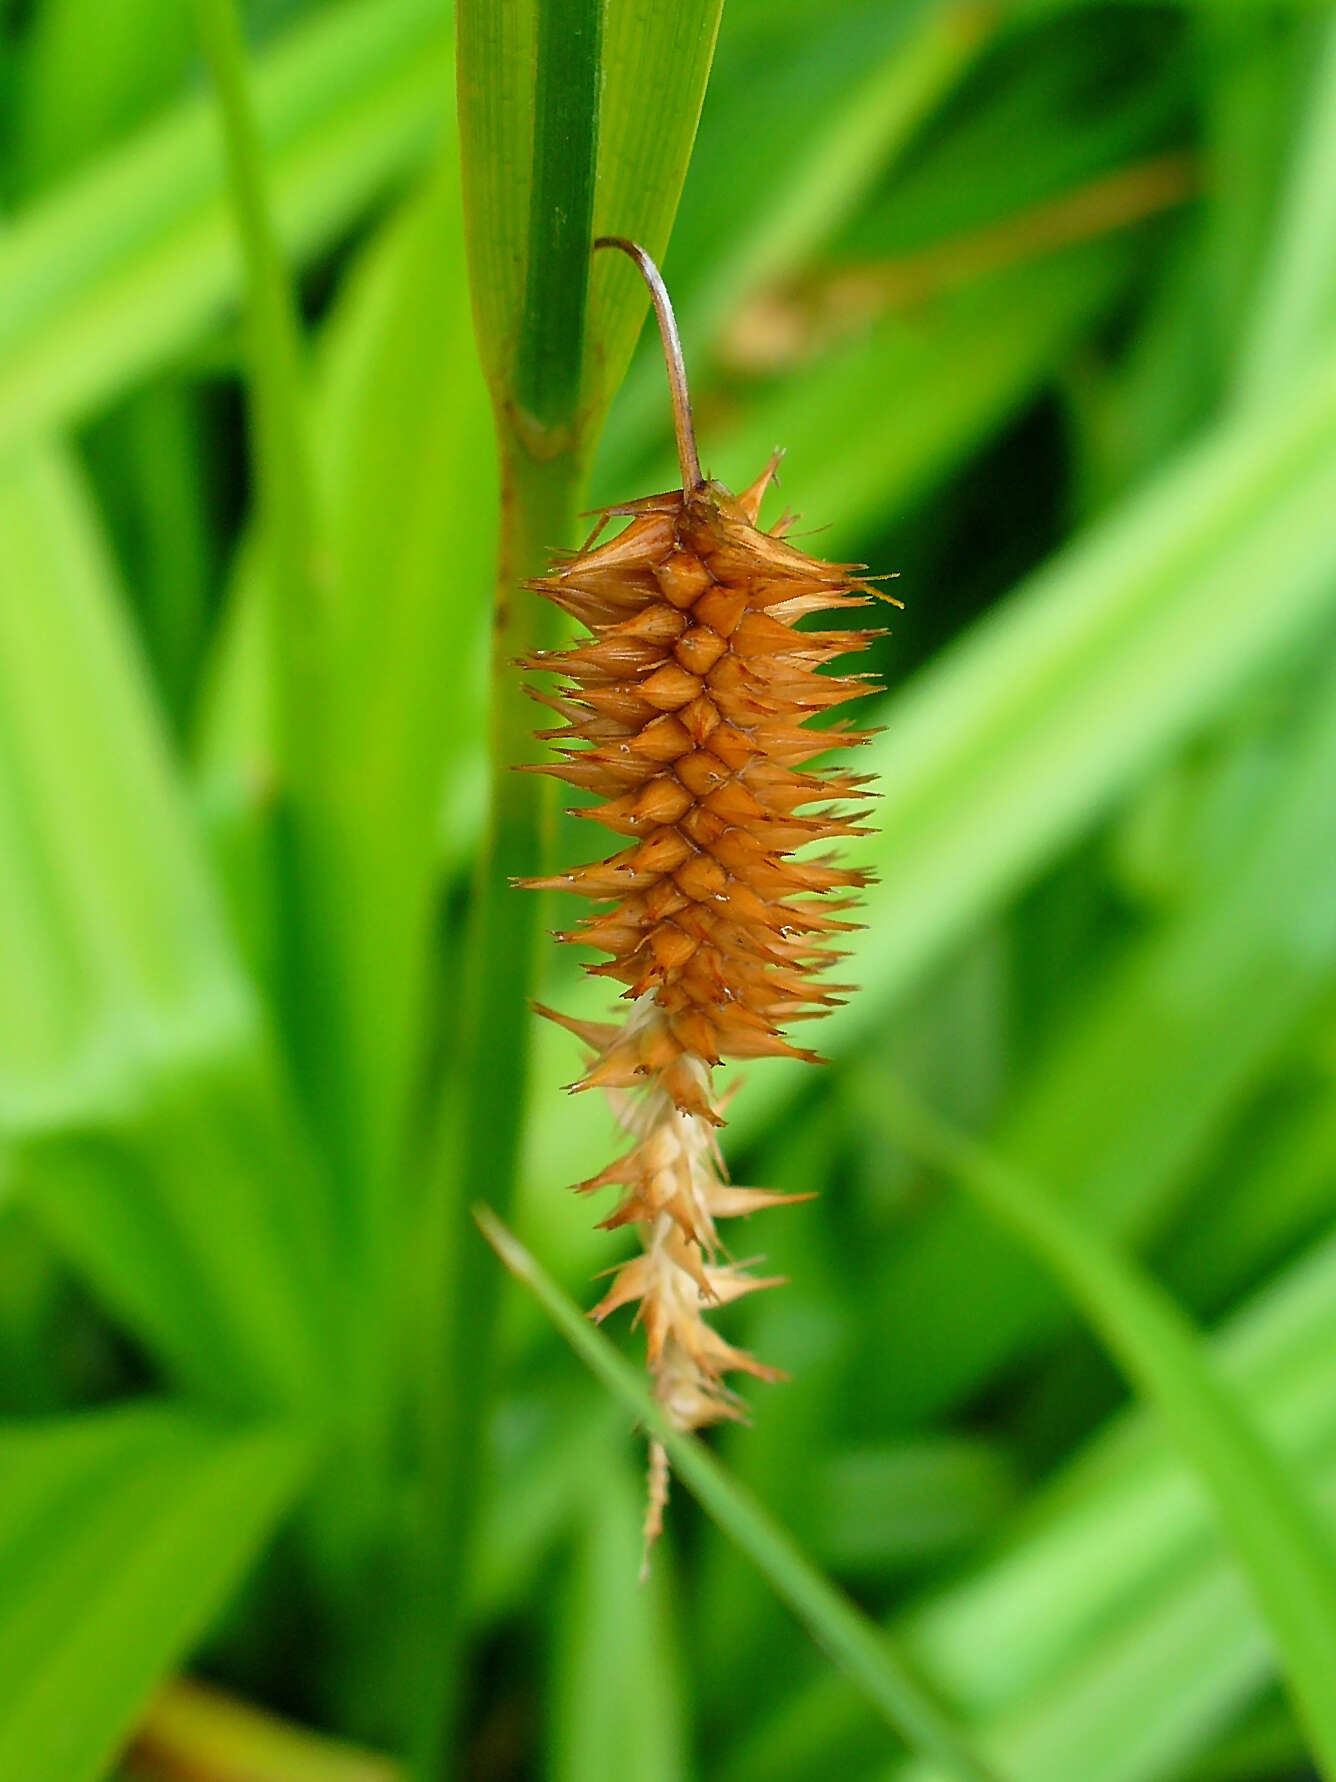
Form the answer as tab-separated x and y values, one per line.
684	714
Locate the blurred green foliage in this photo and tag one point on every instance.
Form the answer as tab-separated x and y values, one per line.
1042	302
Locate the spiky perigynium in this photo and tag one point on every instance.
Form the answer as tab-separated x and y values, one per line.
684	716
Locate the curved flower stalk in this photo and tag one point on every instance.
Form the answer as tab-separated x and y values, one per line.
684	715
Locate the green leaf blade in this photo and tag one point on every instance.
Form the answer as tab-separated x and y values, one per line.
1286	1553
121	1536
131	261
867	1658
140	1098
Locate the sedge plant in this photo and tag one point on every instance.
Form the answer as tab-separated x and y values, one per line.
306	369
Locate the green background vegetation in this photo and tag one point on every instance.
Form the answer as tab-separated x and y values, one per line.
1042	302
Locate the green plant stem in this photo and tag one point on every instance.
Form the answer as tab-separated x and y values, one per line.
1271	1525
861	1650
533	106
481	1154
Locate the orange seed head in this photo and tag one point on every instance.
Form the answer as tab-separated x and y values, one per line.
685	717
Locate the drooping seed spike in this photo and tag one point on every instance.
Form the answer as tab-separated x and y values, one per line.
685	715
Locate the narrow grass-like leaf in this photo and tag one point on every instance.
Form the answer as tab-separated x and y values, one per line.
642	161
531	169
144	50
407	500
617	1675
1269	1522
409	493
146	460
1107	1633
1129	1510
128	263
855	123
529	90
544	113
857	140
1296	301
529	78
1144	1078
407	497
865	1655
139	1094
277	392
122	1535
